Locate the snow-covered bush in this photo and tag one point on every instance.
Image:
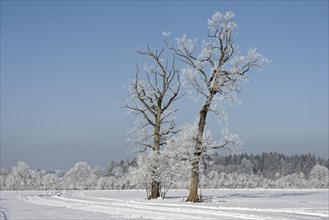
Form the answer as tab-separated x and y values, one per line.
160	168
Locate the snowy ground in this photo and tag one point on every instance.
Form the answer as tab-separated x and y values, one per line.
131	204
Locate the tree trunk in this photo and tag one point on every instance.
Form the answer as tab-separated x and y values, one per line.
193	195
155	186
155	190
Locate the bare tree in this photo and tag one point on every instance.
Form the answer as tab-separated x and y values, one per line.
150	99
215	73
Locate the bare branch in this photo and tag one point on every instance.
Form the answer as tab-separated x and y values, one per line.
145	146
143	112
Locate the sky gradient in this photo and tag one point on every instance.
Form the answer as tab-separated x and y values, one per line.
64	66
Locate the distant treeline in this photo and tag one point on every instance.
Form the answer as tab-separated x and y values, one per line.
268	165
268	170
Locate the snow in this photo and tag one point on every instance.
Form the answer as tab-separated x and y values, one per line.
131	204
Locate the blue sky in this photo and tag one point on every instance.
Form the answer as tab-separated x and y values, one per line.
64	66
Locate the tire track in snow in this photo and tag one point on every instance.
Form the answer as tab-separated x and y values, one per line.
289	213
127	209
191	211
136	209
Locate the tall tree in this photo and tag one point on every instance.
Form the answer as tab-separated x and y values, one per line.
150	97
215	73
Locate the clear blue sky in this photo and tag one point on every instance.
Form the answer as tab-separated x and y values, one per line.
64	66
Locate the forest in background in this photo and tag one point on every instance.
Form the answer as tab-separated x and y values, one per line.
268	170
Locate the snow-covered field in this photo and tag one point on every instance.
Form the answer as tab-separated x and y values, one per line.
131	204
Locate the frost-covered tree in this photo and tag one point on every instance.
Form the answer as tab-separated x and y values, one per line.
245	167
50	181
20	177
78	177
319	176
150	97
3	178
214	73
98	171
